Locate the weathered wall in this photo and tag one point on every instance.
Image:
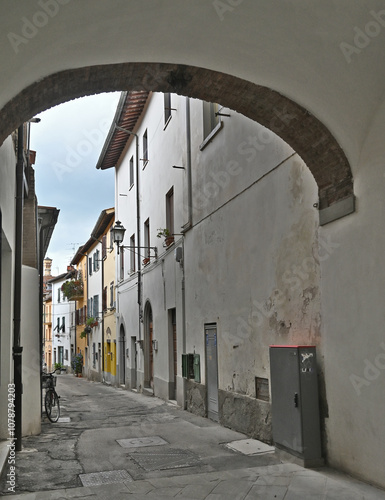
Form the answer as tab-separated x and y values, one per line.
29	328
7	205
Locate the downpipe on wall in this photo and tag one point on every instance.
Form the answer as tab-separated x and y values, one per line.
17	348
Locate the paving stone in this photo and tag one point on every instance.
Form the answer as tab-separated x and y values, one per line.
267	492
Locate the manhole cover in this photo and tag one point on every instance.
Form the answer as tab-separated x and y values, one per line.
250	447
141	442
171	458
106	477
64	419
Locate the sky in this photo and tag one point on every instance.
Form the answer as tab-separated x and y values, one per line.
68	142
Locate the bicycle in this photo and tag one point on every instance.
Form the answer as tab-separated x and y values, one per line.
51	400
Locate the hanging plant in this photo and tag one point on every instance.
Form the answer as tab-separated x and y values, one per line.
92	322
72	289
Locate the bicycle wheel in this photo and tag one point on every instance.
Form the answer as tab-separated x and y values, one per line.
48	402
54	406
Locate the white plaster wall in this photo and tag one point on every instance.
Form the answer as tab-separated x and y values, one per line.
252	257
61	309
29	339
353	318
7	205
290	47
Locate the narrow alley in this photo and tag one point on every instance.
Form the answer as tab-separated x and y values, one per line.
111	443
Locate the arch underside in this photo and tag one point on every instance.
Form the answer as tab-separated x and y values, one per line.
294	124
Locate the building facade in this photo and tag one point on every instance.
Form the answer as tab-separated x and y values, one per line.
63	316
220	257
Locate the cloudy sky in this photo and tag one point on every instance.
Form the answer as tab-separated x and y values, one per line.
68	142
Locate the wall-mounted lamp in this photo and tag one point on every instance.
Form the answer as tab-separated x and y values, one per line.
117	234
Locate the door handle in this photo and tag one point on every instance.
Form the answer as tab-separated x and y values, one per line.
296	400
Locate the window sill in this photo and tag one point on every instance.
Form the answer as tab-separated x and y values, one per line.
211	136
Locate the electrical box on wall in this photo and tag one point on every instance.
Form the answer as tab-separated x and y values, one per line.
295	405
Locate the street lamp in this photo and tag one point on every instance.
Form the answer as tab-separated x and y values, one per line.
117	233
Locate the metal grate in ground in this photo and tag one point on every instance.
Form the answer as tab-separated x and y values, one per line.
170	458
106	477
141	442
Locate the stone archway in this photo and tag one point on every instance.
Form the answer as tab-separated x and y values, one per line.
290	121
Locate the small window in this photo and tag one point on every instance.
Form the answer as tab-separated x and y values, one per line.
211	123
147	239
121	274
104	299
132	254
58	294
145	149
170	211
90	266
104	246
262	389
131	171
167	107
96	306
112	295
63	324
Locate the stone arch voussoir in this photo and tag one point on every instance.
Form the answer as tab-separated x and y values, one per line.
290	121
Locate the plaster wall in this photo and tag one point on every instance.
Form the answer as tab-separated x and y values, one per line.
31	403
353	323
304	59
60	310
7	205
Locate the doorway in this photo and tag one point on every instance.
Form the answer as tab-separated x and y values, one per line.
148	347
173	363
122	356
212	371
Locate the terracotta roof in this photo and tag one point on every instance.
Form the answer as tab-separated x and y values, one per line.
129	109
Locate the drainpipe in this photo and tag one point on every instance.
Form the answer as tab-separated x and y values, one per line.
185	228
17	348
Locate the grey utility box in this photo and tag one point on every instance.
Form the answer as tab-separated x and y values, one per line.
295	407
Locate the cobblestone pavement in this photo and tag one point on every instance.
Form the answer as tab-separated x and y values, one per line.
112	443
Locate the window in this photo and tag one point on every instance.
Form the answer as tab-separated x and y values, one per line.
90	265
96	306
63	324
104	299
93	355
170	211
66	355
96	260
58	325
104	246
132	254
112	294
145	149
131	171
60	349
147	238
58	294
121	274
211	123
167	107
77	317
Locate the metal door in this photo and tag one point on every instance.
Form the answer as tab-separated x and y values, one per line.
285	388
212	371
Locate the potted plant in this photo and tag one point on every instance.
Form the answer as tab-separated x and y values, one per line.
77	364
92	322
58	367
168	237
146	261
72	289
